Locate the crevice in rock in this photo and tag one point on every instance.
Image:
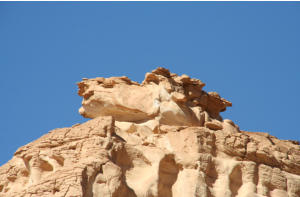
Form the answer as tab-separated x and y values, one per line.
121	157
211	175
235	179
88	178
124	190
117	137
168	172
256	175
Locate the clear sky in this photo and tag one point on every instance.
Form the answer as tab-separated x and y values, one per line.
248	52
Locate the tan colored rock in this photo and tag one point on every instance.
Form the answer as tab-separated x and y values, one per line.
122	155
214	125
163	96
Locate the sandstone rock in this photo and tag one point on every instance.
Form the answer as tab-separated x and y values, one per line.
153	140
214	125
163	96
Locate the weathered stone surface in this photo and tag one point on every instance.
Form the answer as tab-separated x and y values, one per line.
120	153
163	96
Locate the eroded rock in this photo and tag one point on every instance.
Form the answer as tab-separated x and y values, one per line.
178	147
163	96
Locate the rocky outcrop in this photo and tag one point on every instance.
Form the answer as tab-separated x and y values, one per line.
163	97
161	138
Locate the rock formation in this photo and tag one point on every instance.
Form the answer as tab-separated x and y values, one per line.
161	138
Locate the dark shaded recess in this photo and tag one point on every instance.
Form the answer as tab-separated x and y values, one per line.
45	165
121	158
235	179
211	176
168	172
87	181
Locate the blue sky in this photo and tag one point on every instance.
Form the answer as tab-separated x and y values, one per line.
249	52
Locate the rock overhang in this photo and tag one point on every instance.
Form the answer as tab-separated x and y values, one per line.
164	96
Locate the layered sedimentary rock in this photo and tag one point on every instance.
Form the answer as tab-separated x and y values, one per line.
161	138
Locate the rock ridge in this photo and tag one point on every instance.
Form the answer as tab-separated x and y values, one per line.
161	138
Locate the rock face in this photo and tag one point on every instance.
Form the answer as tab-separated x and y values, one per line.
162	138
